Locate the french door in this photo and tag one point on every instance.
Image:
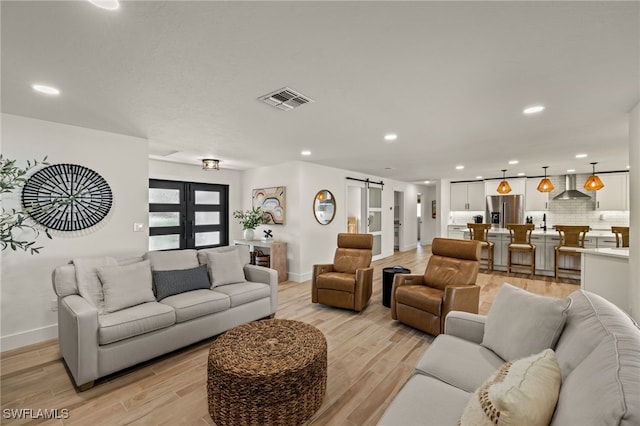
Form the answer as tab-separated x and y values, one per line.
187	215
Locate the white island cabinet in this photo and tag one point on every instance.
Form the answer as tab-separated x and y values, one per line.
605	272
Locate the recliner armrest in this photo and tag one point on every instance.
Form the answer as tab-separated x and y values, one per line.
400	280
460	298
465	325
317	270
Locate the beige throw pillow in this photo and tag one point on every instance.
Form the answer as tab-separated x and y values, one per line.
126	286
522	392
225	268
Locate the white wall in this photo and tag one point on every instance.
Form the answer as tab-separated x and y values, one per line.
191	173
634	228
26	293
443	199
429	224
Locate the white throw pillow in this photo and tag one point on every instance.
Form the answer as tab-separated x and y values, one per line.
520	323
126	286
522	392
225	268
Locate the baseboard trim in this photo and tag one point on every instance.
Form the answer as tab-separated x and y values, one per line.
299	278
29	337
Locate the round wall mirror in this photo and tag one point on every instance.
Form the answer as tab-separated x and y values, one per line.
324	207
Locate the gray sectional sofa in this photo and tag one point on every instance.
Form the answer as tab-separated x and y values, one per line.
597	347
113	314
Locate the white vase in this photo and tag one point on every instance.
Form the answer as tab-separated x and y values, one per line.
248	234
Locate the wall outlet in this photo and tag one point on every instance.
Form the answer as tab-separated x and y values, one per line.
54	305
138	227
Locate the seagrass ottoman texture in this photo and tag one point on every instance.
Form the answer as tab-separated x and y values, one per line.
270	372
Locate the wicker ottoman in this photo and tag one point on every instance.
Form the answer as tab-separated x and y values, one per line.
271	372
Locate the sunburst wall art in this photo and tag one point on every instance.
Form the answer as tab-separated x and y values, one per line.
273	203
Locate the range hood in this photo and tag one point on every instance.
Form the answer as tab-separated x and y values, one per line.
570	192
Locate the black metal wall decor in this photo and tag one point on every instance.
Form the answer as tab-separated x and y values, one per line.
67	197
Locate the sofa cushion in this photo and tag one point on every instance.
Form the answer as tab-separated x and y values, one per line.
522	392
422	297
241	293
460	363
197	303
126	286
590	319
134	321
241	249
168	283
336	281
89	285
225	268
599	390
172	259
425	401
520	323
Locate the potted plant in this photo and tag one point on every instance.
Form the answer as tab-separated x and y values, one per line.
249	220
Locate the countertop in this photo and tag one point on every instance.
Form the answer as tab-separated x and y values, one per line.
622	253
551	232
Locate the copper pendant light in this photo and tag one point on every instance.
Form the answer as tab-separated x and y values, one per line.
545	184
593	183
504	187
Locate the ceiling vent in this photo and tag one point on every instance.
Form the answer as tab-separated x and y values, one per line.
285	99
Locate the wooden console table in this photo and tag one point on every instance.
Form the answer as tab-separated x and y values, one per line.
277	252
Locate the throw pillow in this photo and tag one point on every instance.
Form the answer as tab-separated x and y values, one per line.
169	283
89	285
171	260
225	268
520	323
126	286
522	392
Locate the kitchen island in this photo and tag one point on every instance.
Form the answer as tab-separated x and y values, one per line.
605	271
545	242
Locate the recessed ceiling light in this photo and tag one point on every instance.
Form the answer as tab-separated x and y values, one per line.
427	181
305	153
571	170
459	167
533	109
478	177
521	174
390	137
513	162
106	4
581	155
42	88
628	167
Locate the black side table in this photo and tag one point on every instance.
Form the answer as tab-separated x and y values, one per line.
387	282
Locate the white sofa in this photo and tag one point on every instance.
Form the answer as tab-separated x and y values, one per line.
598	355
97	338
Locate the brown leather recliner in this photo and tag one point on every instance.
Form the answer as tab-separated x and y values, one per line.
448	284
347	283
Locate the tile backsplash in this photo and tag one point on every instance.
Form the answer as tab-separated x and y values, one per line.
563	212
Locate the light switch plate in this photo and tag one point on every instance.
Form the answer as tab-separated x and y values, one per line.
138	227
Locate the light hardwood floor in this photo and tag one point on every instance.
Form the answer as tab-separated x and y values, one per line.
370	357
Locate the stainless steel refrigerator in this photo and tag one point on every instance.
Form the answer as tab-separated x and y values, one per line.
504	209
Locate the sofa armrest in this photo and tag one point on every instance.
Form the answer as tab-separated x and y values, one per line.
400	280
261	274
465	325
317	270
78	337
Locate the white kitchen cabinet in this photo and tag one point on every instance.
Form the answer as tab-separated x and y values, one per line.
457	231
500	243
467	196
534	199
517	186
606	242
615	194
541	251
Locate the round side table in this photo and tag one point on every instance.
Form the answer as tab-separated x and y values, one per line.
387	282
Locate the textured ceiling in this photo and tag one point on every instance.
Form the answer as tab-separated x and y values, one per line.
450	78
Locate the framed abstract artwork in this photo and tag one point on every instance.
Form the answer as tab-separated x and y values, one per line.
273	203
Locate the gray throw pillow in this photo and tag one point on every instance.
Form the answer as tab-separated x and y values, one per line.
520	324
126	286
225	268
169	283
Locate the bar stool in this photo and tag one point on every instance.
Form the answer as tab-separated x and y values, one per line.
520	242
479	232
571	238
622	235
